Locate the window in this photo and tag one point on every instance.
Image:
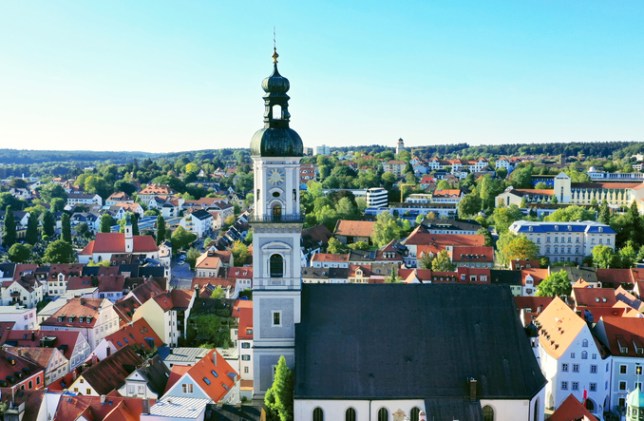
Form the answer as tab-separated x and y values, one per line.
88	391
584	355
622	369
186	387
214	373
350	415
622	385
575	368
415	414
622	402
245	357
584	343
564	367
318	414
276	266
575	385
245	370
593	369
277	318
594	356
383	414
245	345
276	212
206	380
572	355
564	385
488	413
593	387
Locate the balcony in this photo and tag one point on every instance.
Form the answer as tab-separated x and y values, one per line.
276	219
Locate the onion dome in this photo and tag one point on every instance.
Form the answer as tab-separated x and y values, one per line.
276	138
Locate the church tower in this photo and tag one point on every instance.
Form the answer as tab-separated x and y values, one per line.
276	151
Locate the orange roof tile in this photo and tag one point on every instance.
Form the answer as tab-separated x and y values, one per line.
594	297
83	312
623	333
349	228
571	410
330	257
135	334
447	193
558	327
214	375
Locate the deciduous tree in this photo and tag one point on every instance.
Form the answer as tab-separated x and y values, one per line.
19	253
603	257
513	247
59	251
555	285
442	262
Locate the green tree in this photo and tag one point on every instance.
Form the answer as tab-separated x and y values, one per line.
106	222
603	257
279	397
160	229
59	251
425	261
9	233
627	255
489	241
240	253
66	228
442	262
218	293
555	285
469	205
571	213
604	213
515	247
48	224
31	236
386	228
191	256
19	253
503	217
521	178
181	238
57	204
334	246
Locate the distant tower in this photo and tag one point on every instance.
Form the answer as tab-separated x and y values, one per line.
276	151
129	239
400	146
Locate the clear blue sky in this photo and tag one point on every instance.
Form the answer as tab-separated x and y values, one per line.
183	75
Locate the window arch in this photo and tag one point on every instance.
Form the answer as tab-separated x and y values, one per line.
350	415
584	343
276	266
318	414
488	413
277	112
383	414
584	355
415	414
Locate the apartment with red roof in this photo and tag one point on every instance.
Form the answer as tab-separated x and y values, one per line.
138	334
104	408
94	318
108	375
51	359
72	344
624	338
167	314
422	241
571	359
19	373
108	243
211	378
349	231
330	260
243	338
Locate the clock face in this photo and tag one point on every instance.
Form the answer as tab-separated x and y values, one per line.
275	177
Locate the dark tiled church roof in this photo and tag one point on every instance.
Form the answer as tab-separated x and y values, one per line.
412	341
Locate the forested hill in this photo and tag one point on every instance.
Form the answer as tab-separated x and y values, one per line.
23	157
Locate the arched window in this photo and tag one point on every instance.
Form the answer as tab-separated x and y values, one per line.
415	414
277	112
350	415
584	355
584	343
318	414
277	266
488	413
383	414
276	212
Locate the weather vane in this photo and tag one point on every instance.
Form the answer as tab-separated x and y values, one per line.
275	55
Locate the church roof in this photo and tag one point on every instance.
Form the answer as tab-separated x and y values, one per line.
412	341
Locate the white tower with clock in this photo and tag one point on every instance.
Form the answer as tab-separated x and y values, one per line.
276	151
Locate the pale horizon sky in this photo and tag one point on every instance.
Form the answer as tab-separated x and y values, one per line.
164	76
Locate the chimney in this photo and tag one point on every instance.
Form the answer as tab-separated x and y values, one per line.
214	358
472	382
102	399
146	406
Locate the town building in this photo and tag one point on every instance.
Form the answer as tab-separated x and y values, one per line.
566	241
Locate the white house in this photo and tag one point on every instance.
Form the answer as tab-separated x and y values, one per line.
198	222
570	359
24	318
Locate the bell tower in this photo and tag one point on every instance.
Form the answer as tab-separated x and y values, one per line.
276	151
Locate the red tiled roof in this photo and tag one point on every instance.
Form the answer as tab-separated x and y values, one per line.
176	372
622	333
115	408
418	237
559	326
473	254
21	268
606	185
571	410
78	309
240	272
114	242
535	192
216	386
111	283
65	340
447	193
615	277
330	257
349	228
243	310
537	275
594	297
109	374
135	334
